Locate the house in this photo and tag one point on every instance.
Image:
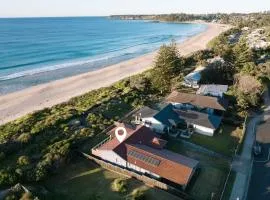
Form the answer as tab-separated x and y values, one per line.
193	78
143	151
196	102
212	90
204	113
161	119
172	118
202	123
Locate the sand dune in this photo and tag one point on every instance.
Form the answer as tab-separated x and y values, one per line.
19	103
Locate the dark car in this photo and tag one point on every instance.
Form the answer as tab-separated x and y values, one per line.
257	150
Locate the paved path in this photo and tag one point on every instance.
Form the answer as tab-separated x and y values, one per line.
242	164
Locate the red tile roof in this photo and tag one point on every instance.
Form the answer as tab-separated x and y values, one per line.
172	166
142	140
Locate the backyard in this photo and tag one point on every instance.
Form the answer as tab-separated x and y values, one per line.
224	141
84	180
208	181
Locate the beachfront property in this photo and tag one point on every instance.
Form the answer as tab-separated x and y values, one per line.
212	90
184	114
203	113
143	151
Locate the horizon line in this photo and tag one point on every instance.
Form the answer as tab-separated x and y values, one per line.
78	16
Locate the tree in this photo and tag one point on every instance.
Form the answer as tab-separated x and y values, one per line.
243	54
218	73
247	90
167	64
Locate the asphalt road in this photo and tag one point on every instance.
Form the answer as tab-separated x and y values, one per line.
259	188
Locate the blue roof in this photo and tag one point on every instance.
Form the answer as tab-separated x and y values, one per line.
167	114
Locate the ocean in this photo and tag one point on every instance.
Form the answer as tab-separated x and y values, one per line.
40	50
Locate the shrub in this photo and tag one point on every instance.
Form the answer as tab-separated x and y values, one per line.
7	177
138	195
119	185
11	197
24	138
23	160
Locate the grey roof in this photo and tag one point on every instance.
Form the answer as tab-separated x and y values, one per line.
198	118
147	112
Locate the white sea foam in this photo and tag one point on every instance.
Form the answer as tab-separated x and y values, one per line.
84	62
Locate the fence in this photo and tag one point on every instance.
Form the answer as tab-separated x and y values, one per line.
236	151
147	180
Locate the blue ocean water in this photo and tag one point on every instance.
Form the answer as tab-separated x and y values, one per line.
39	50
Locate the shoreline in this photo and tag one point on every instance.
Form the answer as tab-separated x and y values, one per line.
20	103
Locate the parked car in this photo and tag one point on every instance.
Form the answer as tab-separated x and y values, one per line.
257	150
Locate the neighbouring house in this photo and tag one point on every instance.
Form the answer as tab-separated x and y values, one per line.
212	90
193	78
160	119
143	151
204	113
207	104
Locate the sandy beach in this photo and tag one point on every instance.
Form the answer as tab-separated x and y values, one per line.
19	103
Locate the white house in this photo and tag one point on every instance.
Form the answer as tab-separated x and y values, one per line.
212	90
160	120
204	113
143	151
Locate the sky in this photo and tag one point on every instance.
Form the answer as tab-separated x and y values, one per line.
45	8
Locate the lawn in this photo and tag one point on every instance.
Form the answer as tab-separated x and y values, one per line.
210	177
84	180
228	190
224	141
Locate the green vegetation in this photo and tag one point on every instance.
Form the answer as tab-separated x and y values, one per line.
211	175
119	185
37	145
166	65
237	19
244	69
83	179
229	186
46	138
225	140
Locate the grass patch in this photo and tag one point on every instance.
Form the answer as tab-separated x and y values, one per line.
114	108
210	177
229	186
84	180
208	184
224	141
